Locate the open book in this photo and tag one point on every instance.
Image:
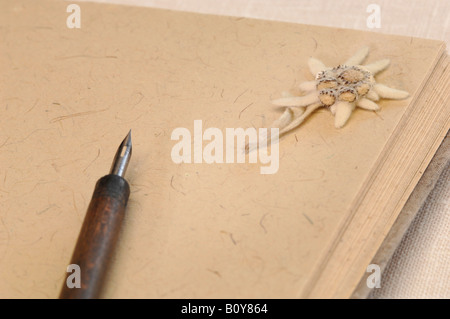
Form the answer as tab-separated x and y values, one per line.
196	229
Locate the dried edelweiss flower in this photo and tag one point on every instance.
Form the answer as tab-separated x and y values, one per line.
328	96
340	89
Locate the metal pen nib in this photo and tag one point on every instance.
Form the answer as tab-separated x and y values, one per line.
122	158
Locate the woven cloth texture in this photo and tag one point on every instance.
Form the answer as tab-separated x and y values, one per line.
419	267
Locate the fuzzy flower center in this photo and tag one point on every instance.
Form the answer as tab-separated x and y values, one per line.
343	83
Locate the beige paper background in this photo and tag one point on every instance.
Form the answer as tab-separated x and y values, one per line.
191	230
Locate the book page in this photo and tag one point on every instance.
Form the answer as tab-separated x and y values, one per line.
192	230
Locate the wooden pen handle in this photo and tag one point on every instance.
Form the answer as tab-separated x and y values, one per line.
98	236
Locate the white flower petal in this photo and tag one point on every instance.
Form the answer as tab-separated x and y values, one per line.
297	100
307	86
298	110
359	57
367	105
343	112
284	119
372	95
286	94
315	66
299	120
333	109
390	93
377	66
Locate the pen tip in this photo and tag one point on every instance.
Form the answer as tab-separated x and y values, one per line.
128	138
122	157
